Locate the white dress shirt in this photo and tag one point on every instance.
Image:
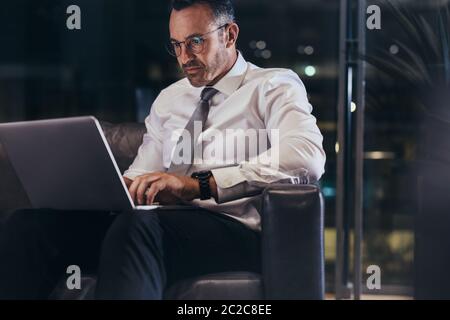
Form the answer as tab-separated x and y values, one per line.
249	97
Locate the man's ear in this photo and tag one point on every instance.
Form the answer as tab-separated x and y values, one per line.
232	34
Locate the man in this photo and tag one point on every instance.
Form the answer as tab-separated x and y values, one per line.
187	156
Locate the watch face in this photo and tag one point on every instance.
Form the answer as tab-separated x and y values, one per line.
203	174
203	179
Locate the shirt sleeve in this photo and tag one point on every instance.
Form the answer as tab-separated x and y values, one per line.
150	154
296	154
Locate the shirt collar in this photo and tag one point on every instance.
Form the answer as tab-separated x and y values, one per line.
233	79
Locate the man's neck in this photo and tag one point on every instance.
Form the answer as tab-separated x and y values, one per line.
232	62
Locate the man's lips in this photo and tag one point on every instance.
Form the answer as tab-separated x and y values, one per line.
191	69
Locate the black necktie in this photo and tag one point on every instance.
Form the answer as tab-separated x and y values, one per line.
200	114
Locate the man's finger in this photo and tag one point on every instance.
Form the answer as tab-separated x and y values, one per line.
140	192
133	187
144	187
153	190
127	181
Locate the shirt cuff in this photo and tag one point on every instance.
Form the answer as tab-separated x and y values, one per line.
132	174
232	184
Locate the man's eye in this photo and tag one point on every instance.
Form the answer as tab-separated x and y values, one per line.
196	41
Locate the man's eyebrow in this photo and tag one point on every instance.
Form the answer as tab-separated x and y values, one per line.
188	37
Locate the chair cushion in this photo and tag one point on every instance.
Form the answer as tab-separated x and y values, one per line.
218	286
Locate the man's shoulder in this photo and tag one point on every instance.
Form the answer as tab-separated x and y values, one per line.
264	75
177	87
176	90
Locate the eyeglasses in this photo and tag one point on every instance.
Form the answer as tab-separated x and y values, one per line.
194	44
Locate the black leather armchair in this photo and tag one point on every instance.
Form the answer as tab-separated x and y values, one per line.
292	238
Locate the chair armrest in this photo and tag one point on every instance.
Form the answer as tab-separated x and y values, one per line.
292	242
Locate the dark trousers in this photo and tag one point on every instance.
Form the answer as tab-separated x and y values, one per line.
135	255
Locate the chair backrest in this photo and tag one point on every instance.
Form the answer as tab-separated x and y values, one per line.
124	140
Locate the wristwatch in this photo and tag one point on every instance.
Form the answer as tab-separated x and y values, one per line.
203	181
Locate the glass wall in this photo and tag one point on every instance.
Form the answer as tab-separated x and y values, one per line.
393	119
407	64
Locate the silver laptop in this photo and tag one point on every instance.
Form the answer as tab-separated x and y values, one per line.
66	164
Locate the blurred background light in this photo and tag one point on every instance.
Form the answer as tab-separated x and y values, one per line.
310	71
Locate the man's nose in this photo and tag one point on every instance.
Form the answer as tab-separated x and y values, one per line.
185	55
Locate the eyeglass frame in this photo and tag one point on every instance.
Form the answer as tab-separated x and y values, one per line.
171	50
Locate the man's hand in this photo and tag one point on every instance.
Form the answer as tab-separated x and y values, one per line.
128	182
162	187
